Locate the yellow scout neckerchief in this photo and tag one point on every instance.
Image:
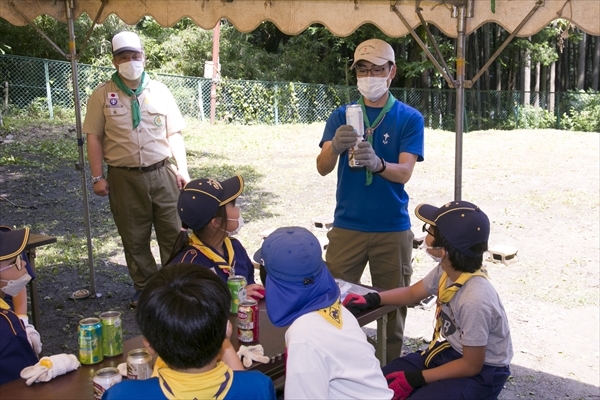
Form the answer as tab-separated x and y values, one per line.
333	314
445	294
226	266
4	305
213	384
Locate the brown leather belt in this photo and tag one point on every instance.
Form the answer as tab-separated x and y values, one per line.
149	168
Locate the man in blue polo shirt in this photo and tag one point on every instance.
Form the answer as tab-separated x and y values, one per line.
371	221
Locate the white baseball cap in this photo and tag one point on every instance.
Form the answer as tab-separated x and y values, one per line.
375	51
126	41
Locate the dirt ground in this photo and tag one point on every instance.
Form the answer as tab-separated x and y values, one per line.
540	189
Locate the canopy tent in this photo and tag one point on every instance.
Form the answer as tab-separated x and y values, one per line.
341	17
395	18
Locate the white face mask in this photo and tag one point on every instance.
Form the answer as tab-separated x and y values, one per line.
240	222
131	70
14	287
428	249
373	87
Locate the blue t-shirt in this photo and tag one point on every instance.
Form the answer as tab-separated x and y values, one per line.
246	385
383	205
241	261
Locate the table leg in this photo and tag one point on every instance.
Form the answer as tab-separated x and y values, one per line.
33	292
381	349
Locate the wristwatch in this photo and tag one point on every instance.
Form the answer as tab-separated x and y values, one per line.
383	166
96	179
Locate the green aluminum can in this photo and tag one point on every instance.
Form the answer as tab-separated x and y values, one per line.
236	285
90	341
112	333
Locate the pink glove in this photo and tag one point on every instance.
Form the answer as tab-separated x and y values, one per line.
398	383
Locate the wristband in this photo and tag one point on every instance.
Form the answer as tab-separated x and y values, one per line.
96	179
415	378
383	166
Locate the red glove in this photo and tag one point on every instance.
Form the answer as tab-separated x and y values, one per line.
398	383
356	303
261	291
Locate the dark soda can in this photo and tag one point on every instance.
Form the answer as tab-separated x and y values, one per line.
90	341
247	321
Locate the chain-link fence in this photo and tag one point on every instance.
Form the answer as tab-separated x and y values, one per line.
43	88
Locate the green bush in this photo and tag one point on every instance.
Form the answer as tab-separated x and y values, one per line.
584	112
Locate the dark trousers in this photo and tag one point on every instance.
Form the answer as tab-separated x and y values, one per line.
140	201
486	385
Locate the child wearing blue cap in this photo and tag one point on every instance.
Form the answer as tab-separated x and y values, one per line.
207	207
328	356
16	352
473	361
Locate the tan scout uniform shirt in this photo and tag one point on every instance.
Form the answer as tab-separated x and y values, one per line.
109	116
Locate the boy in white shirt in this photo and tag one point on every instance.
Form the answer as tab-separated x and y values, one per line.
328	356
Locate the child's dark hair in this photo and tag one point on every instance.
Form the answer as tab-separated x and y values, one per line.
183	313
183	238
459	260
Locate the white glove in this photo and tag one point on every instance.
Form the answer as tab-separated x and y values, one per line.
122	369
252	353
32	335
50	367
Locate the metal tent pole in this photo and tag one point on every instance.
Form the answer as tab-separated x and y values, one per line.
460	99
69	7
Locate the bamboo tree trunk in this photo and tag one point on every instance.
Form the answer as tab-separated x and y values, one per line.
538	71
486	56
552	88
596	64
581	63
527	77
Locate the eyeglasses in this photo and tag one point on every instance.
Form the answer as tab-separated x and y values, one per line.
375	71
19	264
428	228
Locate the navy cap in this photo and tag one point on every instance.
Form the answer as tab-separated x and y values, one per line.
461	223
12	243
201	198
292	254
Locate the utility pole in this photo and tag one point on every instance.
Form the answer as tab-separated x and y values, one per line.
215	72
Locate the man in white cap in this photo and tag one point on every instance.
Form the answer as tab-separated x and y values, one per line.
371	222
133	124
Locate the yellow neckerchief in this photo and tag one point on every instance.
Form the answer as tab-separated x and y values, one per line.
333	314
213	384
226	266
445	294
4	305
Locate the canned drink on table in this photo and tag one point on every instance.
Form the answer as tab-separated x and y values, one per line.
354	117
247	321
90	341
112	333
237	285
104	379
139	364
